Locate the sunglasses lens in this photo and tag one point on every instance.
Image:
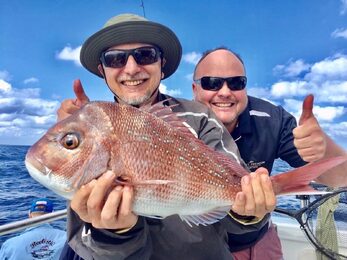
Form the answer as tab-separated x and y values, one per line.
146	56
115	59
216	83
119	58
211	83
237	83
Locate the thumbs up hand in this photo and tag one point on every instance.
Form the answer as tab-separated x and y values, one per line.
81	97
309	138
68	106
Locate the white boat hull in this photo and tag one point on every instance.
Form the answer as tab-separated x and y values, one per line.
295	244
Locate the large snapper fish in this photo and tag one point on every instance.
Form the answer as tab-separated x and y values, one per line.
172	172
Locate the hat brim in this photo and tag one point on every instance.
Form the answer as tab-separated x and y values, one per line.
132	32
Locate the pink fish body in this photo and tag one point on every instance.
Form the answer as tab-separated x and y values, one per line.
172	171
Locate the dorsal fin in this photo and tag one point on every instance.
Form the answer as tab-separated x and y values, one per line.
166	114
158	107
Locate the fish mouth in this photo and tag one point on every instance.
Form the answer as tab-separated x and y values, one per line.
49	179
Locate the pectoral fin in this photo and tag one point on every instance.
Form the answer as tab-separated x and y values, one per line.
96	164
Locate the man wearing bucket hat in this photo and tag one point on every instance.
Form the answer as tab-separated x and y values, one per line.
133	55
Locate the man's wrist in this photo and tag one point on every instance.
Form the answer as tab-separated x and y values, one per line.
244	220
123	230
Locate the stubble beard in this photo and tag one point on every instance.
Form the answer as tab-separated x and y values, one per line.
138	101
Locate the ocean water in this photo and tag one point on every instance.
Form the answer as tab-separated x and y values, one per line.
18	189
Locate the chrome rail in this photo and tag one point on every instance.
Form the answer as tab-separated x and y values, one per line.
31	222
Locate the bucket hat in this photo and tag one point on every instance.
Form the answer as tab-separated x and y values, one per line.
131	28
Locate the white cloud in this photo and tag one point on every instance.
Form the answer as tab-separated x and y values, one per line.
289	89
337	130
326	79
5	87
192	57
343	7
292	68
331	91
260	92
328	91
31	80
323	114
23	114
334	68
293	106
339	33
6	91
171	92
189	77
5	75
70	54
328	113
55	96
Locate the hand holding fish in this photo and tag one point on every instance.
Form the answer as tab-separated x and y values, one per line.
103	205
68	106
309	138
257	197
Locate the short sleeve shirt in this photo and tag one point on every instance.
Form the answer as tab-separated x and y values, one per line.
42	242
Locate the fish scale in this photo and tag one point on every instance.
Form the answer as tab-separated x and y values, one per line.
172	171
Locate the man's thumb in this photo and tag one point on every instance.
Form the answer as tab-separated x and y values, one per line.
307	107
81	97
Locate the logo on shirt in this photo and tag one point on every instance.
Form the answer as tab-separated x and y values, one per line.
252	165
41	249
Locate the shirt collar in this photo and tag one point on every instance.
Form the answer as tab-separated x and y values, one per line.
244	123
41	225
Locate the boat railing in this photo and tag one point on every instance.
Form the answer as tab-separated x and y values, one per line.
49	217
30	222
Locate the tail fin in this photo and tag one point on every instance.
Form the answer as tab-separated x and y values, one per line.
298	179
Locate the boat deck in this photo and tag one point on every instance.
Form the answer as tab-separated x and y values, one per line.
295	244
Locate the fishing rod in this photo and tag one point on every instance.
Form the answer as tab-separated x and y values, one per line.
143	8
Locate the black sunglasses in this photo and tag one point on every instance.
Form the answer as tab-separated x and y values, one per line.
118	58
216	83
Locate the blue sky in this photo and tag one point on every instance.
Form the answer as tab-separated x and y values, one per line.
290	49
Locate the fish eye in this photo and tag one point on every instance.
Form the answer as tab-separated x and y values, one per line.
70	141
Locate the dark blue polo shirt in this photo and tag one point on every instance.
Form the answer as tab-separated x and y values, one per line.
263	134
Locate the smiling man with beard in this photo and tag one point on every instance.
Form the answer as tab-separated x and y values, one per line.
133	55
